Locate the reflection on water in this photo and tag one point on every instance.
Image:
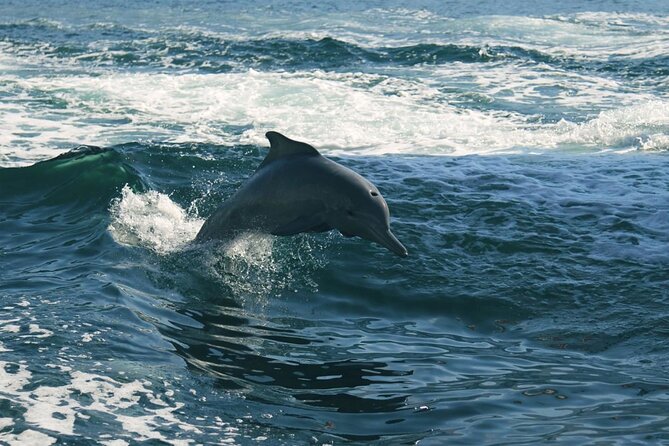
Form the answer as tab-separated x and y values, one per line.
259	361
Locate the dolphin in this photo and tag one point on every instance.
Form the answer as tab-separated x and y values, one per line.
296	189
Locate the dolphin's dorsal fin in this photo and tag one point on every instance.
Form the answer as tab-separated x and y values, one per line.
280	146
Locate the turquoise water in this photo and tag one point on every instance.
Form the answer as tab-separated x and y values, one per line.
522	151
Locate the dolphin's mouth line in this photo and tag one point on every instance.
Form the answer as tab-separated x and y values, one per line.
388	240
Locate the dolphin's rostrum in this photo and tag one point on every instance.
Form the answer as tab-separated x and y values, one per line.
296	189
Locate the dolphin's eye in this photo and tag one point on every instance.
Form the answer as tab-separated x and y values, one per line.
350	213
374	194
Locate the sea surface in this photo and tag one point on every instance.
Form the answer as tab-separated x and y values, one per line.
523	150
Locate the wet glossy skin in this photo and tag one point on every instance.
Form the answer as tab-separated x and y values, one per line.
304	192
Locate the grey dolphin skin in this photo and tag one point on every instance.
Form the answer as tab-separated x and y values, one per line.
296	189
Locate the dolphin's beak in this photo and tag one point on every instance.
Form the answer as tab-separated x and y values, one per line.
388	240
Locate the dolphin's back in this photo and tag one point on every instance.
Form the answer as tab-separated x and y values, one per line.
283	197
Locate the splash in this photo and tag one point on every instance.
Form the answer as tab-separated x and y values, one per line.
252	266
657	142
151	220
255	266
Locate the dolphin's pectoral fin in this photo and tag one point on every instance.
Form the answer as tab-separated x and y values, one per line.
281	146
312	223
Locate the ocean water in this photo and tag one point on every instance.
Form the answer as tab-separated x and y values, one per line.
522	149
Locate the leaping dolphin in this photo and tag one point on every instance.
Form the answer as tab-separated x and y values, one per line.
296	189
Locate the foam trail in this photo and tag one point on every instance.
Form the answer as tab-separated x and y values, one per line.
359	113
53	103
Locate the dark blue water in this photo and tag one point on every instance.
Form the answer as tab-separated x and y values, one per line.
522	150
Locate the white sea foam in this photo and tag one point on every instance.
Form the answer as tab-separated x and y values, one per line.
546	89
643	126
28	437
357	113
5	422
561	36
595	35
11	328
37	332
151	220
655	142
592	34
55	408
418	111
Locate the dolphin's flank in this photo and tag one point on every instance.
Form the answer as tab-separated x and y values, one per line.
296	189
